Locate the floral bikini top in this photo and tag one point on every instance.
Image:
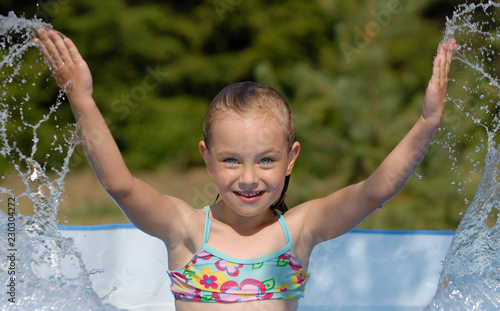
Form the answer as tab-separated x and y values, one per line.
211	276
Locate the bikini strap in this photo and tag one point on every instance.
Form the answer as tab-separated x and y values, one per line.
207	225
281	219
283	226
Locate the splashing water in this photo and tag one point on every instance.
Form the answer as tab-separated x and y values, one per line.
41	268
470	279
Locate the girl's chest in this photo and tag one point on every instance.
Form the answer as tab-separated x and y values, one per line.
259	244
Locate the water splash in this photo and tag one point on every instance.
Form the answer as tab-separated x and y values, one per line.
41	268
470	279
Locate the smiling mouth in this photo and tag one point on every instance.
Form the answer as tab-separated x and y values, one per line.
249	194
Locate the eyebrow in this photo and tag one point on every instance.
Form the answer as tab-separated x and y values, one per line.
226	153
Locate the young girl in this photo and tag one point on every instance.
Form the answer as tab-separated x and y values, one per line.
247	251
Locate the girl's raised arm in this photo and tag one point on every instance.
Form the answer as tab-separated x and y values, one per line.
146	208
341	211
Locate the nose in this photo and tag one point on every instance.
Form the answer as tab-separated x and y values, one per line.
248	178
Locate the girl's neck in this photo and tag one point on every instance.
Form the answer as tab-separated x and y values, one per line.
243	225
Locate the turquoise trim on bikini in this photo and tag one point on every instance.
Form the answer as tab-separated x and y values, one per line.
221	255
208	222
274	254
211	276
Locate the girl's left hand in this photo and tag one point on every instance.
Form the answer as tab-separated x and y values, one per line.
436	90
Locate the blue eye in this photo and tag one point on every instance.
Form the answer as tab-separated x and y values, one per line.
231	161
266	161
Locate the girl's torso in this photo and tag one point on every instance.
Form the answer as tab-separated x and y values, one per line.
212	276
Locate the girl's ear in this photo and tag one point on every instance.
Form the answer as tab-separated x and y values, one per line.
205	153
292	156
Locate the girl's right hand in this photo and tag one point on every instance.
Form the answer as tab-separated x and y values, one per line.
65	62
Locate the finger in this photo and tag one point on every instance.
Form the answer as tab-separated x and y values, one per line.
45	53
450	50
73	51
48	48
446	71
62	51
444	67
437	69
40	45
452	45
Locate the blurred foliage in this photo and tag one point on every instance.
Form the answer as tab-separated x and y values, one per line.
354	72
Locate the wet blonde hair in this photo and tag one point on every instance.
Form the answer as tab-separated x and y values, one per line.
245	98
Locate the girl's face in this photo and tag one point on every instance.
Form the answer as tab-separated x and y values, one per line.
249	159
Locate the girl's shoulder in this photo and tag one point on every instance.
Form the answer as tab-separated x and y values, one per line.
295	218
303	240
185	221
186	238
299	212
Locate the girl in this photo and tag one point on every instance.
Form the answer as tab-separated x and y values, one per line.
247	248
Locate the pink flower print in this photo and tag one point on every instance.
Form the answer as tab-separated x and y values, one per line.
229	292
247	290
181	289
290	258
231	268
209	281
203	255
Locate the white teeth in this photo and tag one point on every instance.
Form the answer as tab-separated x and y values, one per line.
248	195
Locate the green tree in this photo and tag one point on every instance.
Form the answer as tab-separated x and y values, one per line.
354	72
